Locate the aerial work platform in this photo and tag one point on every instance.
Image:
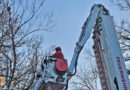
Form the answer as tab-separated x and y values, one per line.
110	62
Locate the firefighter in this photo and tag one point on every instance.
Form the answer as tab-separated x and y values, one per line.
58	53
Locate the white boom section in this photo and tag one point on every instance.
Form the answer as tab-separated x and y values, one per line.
85	34
115	52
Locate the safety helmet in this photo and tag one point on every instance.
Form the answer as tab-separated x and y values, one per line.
58	48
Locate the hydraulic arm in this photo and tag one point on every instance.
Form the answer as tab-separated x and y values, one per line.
85	34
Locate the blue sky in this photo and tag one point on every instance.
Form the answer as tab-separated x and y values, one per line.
69	17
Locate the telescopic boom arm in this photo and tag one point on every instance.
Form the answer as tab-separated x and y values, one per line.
87	28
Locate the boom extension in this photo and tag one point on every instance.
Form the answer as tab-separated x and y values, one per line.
96	11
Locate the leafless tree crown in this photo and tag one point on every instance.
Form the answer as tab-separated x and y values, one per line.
20	42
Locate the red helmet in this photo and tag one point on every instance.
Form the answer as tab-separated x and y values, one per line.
58	48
